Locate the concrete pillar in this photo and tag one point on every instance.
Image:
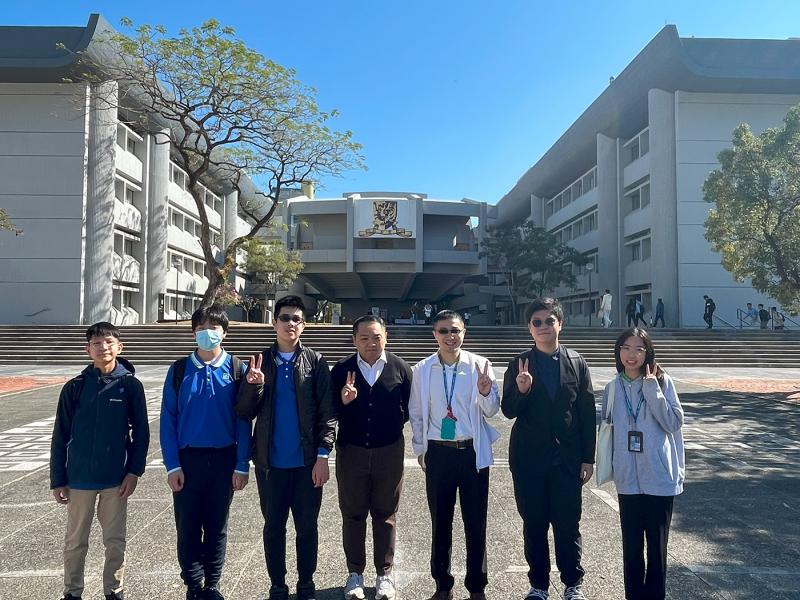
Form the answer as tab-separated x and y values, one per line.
609	226
98	273
349	233
419	246
157	223
664	203
483	217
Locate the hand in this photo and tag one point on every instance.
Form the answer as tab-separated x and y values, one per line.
61	494
586	472
238	481
648	374
128	485
421	461
175	480
484	381
349	391
320	473
524	378
254	373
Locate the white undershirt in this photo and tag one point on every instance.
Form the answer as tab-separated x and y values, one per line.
461	400
371	372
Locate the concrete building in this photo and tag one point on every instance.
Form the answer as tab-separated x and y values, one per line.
110	232
624	182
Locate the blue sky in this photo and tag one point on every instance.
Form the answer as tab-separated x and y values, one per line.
451	98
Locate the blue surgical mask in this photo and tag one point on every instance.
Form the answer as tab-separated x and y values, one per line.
208	339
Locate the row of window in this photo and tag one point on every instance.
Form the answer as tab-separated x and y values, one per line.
191	225
571	193
186	305
579	270
179	177
186	264
577	228
637	198
638	249
127	138
636	147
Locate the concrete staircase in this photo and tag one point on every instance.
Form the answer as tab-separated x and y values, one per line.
163	343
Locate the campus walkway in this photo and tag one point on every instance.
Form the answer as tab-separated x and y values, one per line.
735	535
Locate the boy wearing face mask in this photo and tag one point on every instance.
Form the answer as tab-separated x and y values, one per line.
206	451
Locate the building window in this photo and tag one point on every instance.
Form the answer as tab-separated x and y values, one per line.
131	145
128	195
635	252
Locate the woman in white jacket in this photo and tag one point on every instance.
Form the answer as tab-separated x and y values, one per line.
648	461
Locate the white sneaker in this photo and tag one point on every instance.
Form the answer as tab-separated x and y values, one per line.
574	593
537	594
354	587
384	587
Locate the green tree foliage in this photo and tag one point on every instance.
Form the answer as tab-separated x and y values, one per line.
271	266
230	111
7	225
755	224
532	260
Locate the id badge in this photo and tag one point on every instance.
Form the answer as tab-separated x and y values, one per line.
448	428
635	441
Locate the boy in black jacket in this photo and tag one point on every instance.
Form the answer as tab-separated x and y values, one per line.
98	452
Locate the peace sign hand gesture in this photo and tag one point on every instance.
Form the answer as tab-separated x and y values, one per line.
648	374
484	381
254	373
524	378
349	391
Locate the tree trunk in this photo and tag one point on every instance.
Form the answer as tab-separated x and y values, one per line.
214	282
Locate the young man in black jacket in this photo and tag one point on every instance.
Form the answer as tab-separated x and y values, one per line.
97	454
371	389
287	390
549	391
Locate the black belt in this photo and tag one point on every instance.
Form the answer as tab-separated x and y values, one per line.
459	444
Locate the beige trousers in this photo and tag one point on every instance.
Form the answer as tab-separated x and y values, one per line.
112	514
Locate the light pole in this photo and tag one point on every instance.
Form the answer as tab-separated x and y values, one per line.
590	268
176	262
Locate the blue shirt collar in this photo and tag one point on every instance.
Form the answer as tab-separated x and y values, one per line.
216	363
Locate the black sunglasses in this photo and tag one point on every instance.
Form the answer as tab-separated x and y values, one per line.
549	321
454	331
286	318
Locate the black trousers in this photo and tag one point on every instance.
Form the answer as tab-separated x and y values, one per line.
449	471
369	483
657	319
552	498
709	319
201	513
645	518
279	491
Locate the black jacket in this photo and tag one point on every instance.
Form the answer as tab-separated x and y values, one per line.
548	429
312	383
377	416
101	431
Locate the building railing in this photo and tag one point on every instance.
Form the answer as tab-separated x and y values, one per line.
636	147
576	189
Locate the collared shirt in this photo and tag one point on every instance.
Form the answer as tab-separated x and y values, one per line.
202	415
286	451
460	404
371	372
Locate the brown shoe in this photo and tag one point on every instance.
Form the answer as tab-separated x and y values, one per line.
442	595
477	596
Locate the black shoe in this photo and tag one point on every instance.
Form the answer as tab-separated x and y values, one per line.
278	592
194	593
306	591
70	597
212	593
114	596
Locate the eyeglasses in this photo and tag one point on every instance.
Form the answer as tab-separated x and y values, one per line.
103	344
549	321
638	350
454	331
293	318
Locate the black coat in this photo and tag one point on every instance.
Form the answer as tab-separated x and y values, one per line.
101	431
312	384
545	428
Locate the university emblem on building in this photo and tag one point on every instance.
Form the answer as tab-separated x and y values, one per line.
384	220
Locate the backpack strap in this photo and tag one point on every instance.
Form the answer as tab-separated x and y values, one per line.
236	367
178	372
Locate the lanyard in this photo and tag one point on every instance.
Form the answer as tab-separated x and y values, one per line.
448	395
628	404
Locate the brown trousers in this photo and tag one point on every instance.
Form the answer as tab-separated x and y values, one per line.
112	514
369	483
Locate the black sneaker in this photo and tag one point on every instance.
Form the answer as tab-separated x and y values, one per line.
278	592
70	597
194	593
114	596
212	593
306	591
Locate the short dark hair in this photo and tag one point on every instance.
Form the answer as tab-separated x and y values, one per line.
291	302
102	329
446	315
551	305
760	304
368	319
608	291
213	314
650	352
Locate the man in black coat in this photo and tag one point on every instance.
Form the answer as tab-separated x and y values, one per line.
370	390
548	389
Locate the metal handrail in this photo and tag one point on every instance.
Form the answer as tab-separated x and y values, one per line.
713	316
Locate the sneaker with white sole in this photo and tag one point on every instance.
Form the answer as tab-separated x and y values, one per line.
537	594
354	587
384	587
574	592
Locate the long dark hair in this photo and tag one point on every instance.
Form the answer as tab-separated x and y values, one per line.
650	354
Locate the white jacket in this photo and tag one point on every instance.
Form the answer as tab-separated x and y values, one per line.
484	435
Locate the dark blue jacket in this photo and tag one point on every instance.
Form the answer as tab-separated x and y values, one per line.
101	431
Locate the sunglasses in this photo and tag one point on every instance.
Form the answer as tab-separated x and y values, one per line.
549	321
454	331
293	318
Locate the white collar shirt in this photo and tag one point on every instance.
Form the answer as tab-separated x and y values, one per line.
371	372
460	404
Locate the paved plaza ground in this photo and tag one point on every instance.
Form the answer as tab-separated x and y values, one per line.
735	531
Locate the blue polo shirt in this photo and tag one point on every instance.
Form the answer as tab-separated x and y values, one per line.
286	449
202	415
